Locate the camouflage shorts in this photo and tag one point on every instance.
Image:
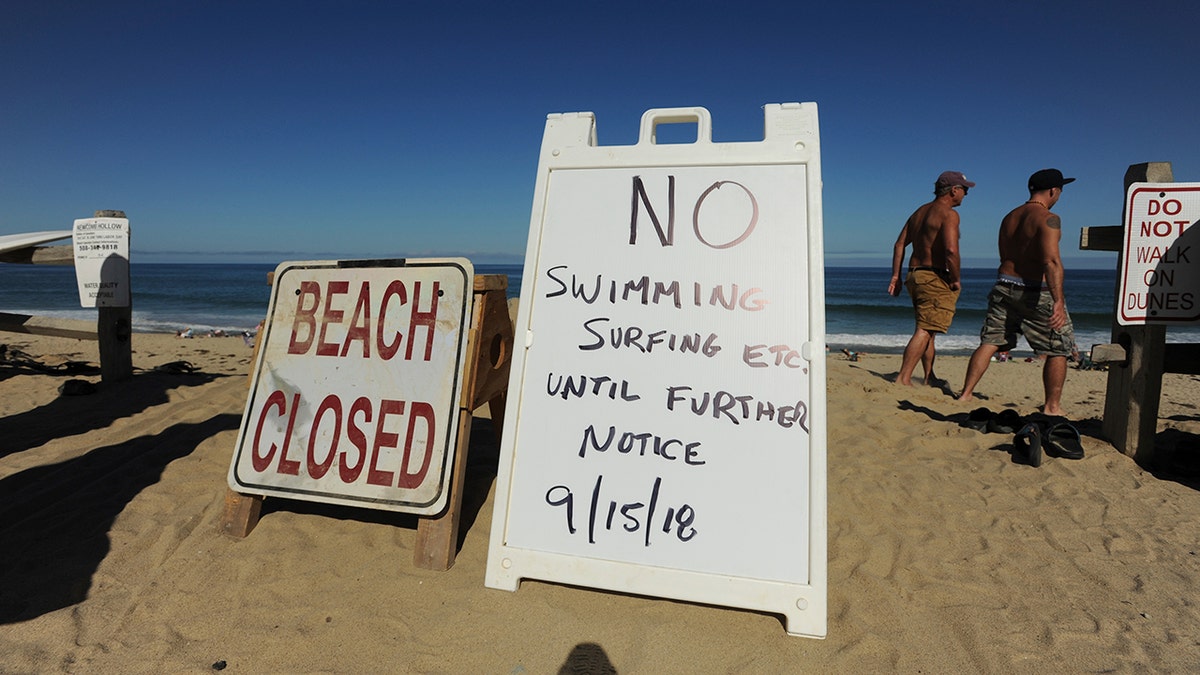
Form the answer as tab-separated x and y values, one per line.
1013	310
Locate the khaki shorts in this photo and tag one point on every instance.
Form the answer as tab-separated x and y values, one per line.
1027	311
932	298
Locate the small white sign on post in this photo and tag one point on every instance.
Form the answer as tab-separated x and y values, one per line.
665	431
358	384
1160	282
102	261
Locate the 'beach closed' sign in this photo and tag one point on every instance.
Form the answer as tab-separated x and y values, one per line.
357	385
665	433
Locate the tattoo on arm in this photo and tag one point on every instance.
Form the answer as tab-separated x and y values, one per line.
1054	222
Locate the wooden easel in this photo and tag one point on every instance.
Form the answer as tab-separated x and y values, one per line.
489	353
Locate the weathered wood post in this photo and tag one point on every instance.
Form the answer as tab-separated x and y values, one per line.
114	326
1134	386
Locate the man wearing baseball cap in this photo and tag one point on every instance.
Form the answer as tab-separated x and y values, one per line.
1028	295
933	278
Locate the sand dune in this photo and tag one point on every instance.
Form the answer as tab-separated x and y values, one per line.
946	554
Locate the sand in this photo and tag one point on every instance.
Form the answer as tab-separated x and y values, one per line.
945	554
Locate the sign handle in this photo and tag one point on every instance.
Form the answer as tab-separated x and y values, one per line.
656	116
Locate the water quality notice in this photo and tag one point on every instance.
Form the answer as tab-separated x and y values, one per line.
102	261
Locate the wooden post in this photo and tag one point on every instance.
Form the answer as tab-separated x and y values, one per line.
113	328
241	514
489	352
1131	399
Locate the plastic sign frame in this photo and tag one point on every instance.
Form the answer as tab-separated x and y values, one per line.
666	428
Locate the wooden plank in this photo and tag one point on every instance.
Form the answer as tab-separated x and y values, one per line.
240	515
491	282
1103	238
1178	358
489	351
40	325
1108	354
436	546
114	327
437	537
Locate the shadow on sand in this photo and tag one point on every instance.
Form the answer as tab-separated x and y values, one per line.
55	519
73	415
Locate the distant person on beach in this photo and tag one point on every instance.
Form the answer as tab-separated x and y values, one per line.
1028	295
933	279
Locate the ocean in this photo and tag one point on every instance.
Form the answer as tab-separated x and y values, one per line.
860	316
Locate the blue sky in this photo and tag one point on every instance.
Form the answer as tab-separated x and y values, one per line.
269	131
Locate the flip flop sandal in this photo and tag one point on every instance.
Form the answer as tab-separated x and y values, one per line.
978	419
176	368
1005	422
1028	443
1062	440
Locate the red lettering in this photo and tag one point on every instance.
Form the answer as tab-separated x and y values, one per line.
361	419
262	462
383	439
1171	207
288	466
388	349
331	316
360	325
419	409
349	473
319	469
1163	228
305	317
309	305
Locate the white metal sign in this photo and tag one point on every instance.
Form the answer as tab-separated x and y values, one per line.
1160	283
668	431
102	261
358	384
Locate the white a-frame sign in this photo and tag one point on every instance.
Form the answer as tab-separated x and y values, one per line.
666	426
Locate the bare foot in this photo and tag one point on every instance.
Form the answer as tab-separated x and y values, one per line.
965	397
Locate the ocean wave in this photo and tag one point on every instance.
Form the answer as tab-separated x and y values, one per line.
152	322
894	343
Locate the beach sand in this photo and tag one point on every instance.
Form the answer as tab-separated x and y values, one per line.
945	554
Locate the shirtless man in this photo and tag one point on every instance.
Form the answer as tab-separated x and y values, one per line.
1028	295
933	278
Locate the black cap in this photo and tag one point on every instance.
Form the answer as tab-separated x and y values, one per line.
1046	179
